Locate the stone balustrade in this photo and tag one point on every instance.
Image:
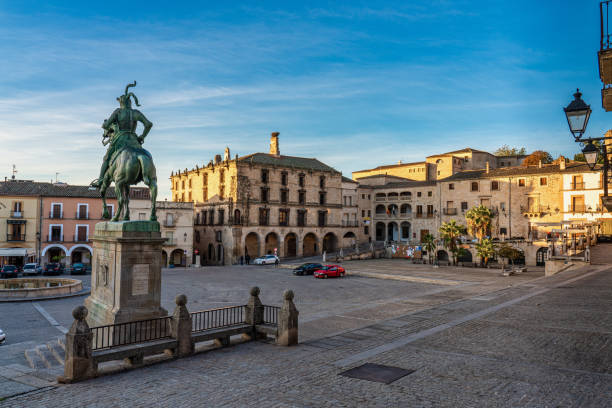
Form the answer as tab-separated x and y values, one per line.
252	321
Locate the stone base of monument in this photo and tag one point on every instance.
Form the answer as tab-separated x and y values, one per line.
126	280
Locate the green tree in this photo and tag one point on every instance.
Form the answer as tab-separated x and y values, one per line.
486	250
429	243
450	232
509	252
478	221
534	158
506	150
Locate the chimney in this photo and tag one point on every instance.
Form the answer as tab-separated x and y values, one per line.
561	163
487	167
540	164
226	154
399	162
217	160
274	150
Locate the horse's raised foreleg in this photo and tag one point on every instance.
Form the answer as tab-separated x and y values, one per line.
103	188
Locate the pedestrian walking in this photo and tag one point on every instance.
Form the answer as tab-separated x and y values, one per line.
276	262
248	259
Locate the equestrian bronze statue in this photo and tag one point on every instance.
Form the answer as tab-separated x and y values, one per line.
126	163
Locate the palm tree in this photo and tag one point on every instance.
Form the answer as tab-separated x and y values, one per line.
479	221
429	243
450	233
486	250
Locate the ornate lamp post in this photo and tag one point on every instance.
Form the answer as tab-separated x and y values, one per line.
577	114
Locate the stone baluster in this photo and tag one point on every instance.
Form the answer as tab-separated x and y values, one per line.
287	321
78	363
181	327
254	313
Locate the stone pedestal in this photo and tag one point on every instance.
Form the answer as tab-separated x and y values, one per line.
126	273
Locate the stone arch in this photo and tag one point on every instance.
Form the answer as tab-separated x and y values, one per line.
405	231
310	244
392	196
380	231
442	255
251	245
349	239
52	251
290	245
541	256
80	253
465	256
330	242
380	209
176	257
393	210
392	232
271	243
405	209
164	259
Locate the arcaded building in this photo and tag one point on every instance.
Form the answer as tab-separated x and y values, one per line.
266	203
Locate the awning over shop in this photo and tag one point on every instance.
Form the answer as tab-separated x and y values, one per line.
13	251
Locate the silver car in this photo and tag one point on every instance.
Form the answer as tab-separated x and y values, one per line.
31	269
266	259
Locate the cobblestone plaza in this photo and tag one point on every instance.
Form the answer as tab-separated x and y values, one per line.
474	338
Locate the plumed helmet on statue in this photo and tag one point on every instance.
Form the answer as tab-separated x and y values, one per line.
125	98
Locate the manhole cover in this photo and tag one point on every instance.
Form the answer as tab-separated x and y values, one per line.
376	372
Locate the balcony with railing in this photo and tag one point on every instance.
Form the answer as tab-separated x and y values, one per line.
578	208
56	215
55	238
605	56
577	185
80	216
350	223
169	223
82	238
170	241
449	211
15	237
16	214
531	210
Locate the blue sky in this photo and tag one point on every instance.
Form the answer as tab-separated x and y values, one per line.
356	84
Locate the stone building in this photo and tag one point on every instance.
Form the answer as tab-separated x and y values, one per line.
265	203
176	225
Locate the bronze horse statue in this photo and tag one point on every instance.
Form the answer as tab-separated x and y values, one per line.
130	165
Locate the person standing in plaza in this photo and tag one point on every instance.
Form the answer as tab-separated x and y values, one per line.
248	259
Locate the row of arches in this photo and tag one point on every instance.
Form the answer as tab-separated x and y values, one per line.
404	195
394	209
292	245
393	231
80	253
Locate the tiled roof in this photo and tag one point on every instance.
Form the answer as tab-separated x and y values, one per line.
383	175
286	161
390	166
32	188
573	167
348	180
466	150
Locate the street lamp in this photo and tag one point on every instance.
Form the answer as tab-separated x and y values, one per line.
591	153
577	114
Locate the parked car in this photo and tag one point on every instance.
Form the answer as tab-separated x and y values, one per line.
330	271
78	269
2	336
53	269
307	269
32	269
266	259
9	271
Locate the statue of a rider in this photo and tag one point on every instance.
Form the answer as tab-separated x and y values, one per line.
120	130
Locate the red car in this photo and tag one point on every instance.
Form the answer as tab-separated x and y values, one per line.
330	271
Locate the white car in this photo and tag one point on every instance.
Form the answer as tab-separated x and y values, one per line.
2	336
266	259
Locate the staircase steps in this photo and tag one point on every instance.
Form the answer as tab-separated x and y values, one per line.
47	355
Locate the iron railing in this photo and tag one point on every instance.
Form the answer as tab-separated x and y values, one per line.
15	237
121	334
16	214
604	8
217	318
449	211
271	314
577	186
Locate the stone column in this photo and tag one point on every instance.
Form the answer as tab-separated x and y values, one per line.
287	322
253	313
181	327
78	363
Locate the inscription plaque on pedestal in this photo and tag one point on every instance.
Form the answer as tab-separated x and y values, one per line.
140	279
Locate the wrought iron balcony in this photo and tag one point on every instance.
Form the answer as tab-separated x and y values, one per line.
577	186
170	241
79	216
55	238
15	237
449	211
56	215
16	214
350	223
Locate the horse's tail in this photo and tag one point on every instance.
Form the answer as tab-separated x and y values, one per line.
147	169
